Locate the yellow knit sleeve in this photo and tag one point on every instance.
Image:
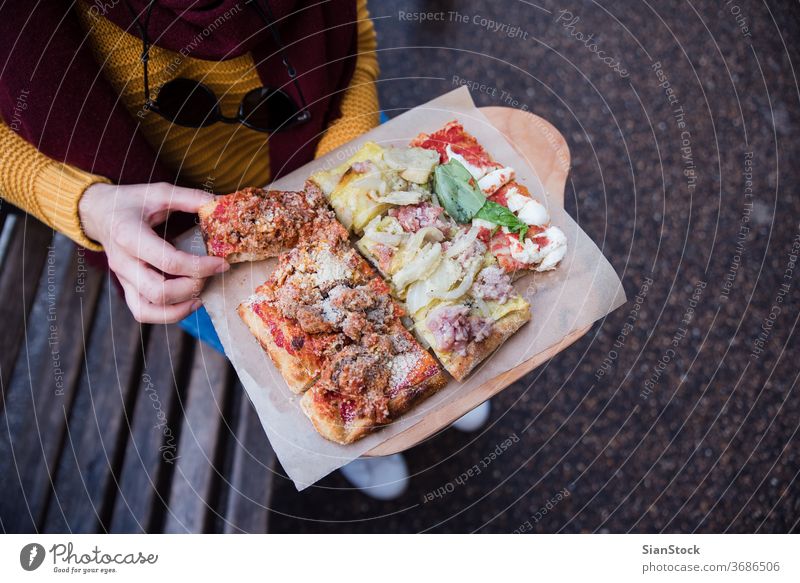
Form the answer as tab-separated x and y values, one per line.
39	185
360	101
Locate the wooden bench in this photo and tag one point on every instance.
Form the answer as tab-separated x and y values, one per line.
109	425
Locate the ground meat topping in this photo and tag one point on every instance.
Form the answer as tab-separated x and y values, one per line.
453	328
252	219
381	343
476	249
254	213
414	217
493	284
361	377
300	300
354	310
357	311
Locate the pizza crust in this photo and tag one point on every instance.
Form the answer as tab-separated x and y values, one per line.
460	366
329	423
299	375
330	426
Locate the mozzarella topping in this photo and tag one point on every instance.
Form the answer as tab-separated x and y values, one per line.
490	183
527	252
515	200
547	257
485	224
533	213
555	249
476	171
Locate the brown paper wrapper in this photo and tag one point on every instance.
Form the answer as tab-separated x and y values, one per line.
583	289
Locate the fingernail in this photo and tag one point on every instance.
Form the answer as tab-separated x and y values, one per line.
224	267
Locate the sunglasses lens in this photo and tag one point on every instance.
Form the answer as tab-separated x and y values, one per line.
269	110
187	103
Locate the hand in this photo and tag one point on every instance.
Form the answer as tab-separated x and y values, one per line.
121	219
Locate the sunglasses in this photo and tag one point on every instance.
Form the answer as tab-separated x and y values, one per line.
189	103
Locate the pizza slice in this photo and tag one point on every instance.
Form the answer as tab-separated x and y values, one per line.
465	332
455	290
369	384
295	313
462	302
254	224
522	239
374	180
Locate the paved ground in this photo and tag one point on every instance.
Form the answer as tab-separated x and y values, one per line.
694	426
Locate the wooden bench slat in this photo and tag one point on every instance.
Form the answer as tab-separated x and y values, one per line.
97	419
190	500
6	228
154	436
21	268
41	390
252	474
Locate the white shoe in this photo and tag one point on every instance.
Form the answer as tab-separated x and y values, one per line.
383	478
475	419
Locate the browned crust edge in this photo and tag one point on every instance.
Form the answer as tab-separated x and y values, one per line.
297	376
344	434
460	366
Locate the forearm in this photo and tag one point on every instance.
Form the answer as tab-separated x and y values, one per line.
43	187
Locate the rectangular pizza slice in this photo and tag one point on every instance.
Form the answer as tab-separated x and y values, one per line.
371	383
456	291
292	315
542	246
254	224
462	302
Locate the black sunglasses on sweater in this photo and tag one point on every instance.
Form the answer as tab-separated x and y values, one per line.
190	103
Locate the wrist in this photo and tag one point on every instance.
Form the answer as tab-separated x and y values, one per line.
89	205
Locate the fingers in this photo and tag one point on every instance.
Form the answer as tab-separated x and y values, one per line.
153	286
167	196
152	298
149	313
142	242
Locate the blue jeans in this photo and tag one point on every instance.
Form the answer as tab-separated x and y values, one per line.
199	323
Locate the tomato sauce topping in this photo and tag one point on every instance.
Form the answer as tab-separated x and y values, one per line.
484	234
462	143
347	410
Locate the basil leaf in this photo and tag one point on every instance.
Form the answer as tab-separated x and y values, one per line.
457	191
500	215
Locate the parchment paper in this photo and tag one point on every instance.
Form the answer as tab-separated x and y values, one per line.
583	289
